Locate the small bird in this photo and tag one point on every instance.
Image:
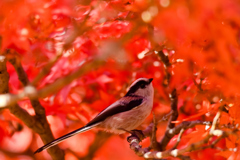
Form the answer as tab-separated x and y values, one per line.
125	114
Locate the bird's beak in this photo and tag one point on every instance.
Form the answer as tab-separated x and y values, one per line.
150	80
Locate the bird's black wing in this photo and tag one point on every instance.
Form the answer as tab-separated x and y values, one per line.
122	105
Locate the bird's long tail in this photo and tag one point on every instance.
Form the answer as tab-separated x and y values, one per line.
60	139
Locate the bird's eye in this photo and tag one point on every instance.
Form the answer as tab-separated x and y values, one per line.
142	86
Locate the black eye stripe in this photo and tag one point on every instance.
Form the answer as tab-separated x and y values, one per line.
136	86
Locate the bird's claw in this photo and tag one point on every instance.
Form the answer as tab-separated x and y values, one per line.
136	134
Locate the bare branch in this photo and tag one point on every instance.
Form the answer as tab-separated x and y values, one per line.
4	76
39	123
166	63
14	109
137	137
195	146
167	136
174	102
23	78
135	146
154	143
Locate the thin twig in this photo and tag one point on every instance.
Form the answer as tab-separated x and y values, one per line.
199	86
178	139
166	63
154	143
167	136
165	117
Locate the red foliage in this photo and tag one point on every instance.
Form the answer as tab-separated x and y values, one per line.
201	39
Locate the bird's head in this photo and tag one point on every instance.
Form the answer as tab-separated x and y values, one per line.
141	87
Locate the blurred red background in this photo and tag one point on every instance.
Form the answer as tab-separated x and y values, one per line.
201	39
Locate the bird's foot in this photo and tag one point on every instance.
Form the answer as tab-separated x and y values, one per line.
136	134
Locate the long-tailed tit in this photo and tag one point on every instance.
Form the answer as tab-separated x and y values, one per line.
125	114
